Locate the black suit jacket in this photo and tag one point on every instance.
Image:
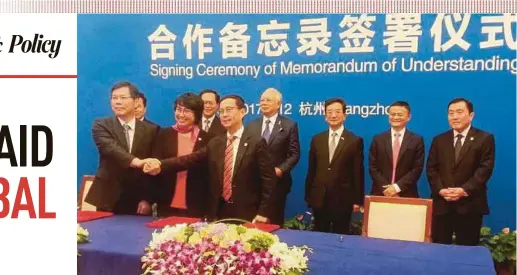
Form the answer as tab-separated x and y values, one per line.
341	181
410	163
283	145
253	180
472	172
216	128
150	122
114	176
164	186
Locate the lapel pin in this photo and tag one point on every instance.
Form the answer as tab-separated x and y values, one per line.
280	129
246	144
342	138
198	138
471	138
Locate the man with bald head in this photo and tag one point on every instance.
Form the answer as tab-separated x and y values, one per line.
281	135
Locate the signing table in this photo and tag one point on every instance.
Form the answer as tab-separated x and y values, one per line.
118	242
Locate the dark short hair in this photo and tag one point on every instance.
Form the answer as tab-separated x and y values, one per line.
208	91
401	104
144	99
335	100
469	104
133	90
191	101
239	101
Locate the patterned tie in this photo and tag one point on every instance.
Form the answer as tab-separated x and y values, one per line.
457	147
206	125
396	150
126	132
332	147
267	132
228	169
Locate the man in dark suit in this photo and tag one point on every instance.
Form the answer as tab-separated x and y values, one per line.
459	165
397	156
242	177
141	108
211	122
124	143
334	186
281	135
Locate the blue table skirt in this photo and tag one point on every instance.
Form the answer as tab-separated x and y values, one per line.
117	243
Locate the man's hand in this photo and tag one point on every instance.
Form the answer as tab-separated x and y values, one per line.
455	194
136	163
260	219
278	172
152	166
144	208
390	191
452	194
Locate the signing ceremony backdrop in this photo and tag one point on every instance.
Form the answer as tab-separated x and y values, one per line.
370	60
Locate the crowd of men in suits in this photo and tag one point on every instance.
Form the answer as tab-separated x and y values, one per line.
210	165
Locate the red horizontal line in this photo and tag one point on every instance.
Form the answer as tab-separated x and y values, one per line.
38	76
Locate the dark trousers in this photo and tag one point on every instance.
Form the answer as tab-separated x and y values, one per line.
278	211
230	210
333	217
126	205
465	226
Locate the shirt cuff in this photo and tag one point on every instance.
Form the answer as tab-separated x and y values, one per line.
397	188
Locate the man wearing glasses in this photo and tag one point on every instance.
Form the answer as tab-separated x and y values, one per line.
242	177
124	143
210	122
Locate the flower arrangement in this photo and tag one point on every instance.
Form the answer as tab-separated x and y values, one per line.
220	248
305	221
502	246
300	222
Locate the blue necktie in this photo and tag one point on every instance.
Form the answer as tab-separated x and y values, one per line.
267	132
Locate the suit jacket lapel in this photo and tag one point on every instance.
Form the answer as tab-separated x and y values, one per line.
276	128
406	140
138	135
449	153
387	146
243	145
220	159
339	147
119	133
466	144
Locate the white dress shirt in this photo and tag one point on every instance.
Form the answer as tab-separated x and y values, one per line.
464	134
271	124
204	120
131	131
339	132
393	132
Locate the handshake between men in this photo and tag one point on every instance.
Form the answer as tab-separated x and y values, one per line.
150	166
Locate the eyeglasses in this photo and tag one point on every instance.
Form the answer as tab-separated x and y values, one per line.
184	111
227	110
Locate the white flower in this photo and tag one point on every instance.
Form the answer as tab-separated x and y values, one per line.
81	231
168	233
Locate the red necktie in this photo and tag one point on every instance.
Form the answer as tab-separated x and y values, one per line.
228	169
396	150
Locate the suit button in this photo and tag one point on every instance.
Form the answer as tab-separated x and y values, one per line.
329	168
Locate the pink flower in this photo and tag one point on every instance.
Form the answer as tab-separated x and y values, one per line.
506	230
299	217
